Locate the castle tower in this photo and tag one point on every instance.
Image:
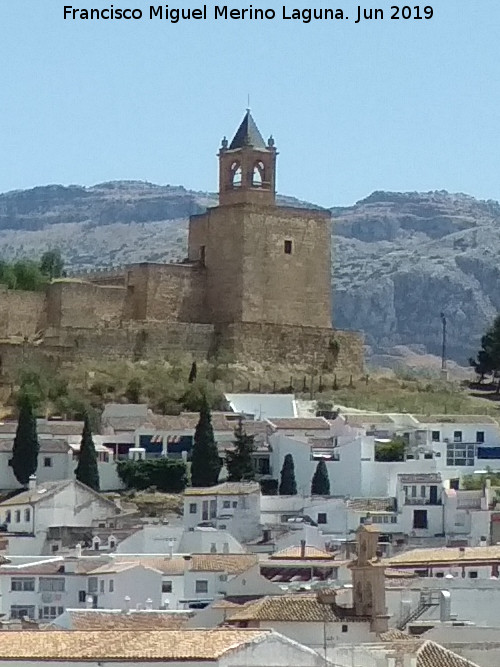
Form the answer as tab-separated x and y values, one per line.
247	167
265	264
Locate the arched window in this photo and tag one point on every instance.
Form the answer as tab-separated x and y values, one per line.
236	175
258	174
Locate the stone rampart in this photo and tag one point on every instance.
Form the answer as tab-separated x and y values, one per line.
21	313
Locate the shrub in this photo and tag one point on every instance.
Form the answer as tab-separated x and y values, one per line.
167	475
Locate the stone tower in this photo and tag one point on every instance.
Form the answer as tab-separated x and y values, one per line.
265	264
368	579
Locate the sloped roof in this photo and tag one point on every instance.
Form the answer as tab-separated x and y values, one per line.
296	552
291	608
455	419
158	645
431	654
230	563
41	492
263	406
301	424
114	619
446	555
47	445
247	134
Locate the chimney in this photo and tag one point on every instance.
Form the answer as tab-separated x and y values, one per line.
32	483
149	604
444	606
302	548
126	604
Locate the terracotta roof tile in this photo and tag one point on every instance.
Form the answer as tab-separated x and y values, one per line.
230	563
431	654
47	445
445	555
94	619
309	553
290	608
301	424
125	645
455	419
371	504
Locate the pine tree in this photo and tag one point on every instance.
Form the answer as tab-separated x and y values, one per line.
288	485
205	461
320	485
26	446
239	462
193	373
87	471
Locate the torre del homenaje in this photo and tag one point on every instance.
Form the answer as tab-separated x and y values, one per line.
255	286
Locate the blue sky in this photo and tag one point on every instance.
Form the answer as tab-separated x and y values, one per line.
394	105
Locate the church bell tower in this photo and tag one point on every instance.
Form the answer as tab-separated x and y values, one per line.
247	167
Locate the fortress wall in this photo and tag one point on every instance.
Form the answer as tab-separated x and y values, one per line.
22	313
168	292
77	304
296	347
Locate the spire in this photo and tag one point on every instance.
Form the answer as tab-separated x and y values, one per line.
247	134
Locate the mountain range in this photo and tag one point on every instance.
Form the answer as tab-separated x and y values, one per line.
399	260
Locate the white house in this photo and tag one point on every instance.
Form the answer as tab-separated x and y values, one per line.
220	647
30	514
231	506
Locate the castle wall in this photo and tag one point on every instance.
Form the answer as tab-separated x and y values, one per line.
299	347
22	313
76	304
251	278
168	292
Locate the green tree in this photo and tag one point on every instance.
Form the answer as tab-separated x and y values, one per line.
167	475
288	485
488	357
320	485
87	470
51	264
205	460
26	446
193	372
391	451
239	462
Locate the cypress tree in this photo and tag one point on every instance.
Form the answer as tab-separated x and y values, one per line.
87	471
239	462
288	485
205	461
320	485
26	446
193	373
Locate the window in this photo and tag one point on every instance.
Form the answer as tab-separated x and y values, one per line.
405	489
201	586
101	585
420	519
439	575
235	504
344	628
82	596
17	516
226	504
322	517
47	462
457	436
422	492
7	516
166	586
49	613
22	584
288	247
394	519
436	436
258	175
54	548
51	584
22	611
459	454
213	509
204	510
413	491
193	507
473	574
480	436
213	548
223	577
92	583
27	514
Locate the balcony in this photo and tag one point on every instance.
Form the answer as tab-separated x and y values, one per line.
423	501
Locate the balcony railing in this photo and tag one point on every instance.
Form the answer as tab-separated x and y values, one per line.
422	501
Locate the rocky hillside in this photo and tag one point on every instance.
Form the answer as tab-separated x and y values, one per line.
399	259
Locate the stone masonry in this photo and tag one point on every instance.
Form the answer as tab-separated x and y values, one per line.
255	286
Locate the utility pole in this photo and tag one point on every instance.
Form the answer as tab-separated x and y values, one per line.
444	370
